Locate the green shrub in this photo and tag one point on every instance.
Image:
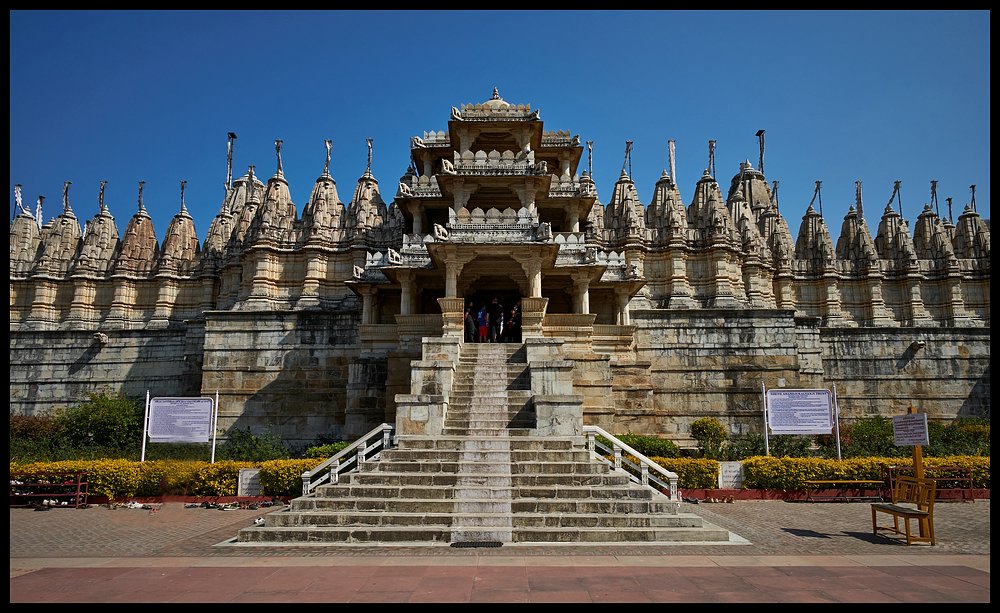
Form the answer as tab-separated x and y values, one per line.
325	451
692	473
743	446
648	446
245	446
710	434
106	421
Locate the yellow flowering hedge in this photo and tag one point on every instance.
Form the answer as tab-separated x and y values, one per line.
767	472
284	477
124	479
692	473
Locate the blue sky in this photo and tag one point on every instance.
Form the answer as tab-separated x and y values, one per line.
125	96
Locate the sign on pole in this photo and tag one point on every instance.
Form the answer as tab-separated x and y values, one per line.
181	420
791	411
910	429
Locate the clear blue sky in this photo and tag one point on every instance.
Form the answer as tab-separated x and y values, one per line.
843	95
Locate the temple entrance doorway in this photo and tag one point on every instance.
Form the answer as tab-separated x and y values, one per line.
509	330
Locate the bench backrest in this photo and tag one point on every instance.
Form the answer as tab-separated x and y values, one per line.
920	492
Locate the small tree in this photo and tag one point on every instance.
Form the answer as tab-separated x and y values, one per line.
106	419
710	434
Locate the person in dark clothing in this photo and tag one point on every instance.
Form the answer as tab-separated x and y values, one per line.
512	328
470	323
496	313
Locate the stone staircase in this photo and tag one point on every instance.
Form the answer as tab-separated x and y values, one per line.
486	481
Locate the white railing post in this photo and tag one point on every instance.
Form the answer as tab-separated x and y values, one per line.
618	456
591	441
673	488
306	477
386	436
645	473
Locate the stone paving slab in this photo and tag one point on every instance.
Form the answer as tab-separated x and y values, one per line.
790	552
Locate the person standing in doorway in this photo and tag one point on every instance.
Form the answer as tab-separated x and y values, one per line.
496	319
470	322
483	319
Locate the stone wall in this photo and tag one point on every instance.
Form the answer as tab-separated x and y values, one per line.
53	369
279	371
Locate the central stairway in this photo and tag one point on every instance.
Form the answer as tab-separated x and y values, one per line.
486	481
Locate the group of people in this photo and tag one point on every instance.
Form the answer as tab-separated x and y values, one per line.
491	323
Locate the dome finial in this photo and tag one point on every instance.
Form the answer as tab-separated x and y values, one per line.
496	94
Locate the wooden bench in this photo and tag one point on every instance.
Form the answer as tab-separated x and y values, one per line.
947	479
843	489
920	494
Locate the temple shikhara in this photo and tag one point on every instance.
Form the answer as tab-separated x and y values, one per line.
331	317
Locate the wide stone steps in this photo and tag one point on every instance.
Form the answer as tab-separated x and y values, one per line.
402	535
485	455
473	467
483	520
446	442
484	505
485	479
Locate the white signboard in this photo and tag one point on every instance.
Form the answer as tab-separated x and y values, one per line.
249	484
730	475
799	411
180	420
910	429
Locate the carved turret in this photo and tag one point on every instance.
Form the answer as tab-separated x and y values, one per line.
815	246
25	243
275	218
322	217
972	237
138	253
60	242
708	214
624	214
856	244
181	248
666	215
893	242
367	211
931	240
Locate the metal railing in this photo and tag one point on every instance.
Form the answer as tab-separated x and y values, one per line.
646	472
351	459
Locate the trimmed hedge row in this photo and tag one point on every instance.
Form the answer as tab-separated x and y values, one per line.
692	473
768	472
123	479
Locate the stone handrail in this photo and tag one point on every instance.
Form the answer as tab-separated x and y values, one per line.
351	459
644	466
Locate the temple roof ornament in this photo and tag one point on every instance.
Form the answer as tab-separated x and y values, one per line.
494	109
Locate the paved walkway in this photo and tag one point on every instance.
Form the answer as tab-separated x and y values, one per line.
780	552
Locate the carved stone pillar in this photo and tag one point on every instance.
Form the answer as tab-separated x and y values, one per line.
452	313
165	299
406	278
622	298
418	219
581	296
367	305
573	218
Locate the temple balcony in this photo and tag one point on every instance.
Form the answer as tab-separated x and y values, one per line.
495	163
431	140
560	139
413	186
